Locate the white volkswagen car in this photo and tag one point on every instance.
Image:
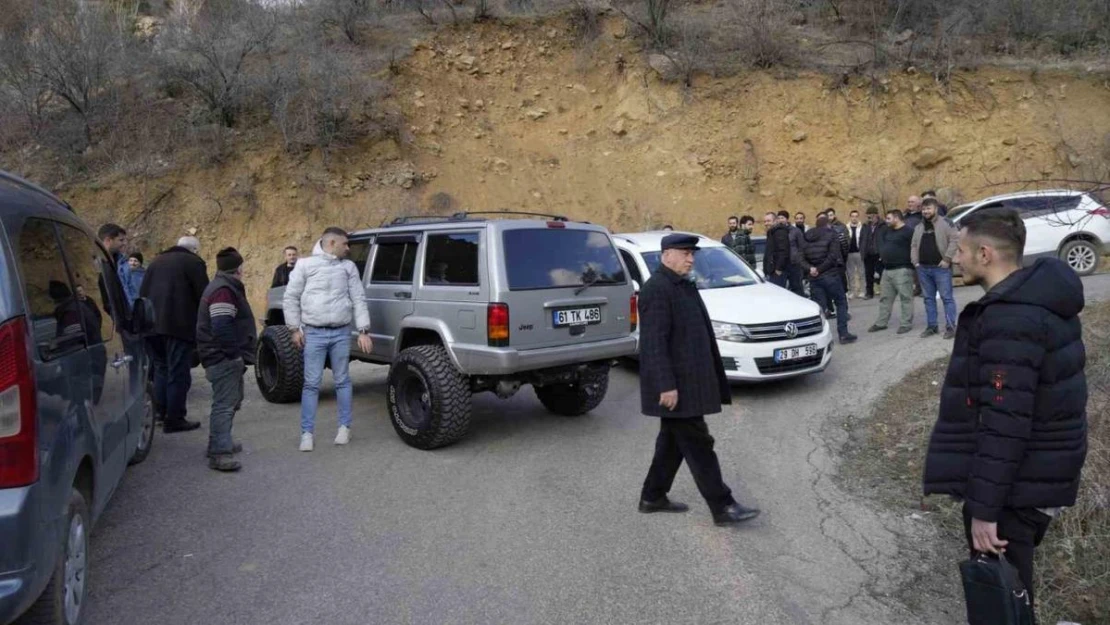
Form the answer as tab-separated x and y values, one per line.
764	332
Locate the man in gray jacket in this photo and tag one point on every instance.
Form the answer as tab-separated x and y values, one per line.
934	244
323	297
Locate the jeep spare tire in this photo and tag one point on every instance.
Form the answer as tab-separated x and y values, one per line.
279	366
572	400
428	399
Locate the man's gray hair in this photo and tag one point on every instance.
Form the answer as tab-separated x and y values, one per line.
190	243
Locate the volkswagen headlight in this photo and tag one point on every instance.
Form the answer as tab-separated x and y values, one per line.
730	332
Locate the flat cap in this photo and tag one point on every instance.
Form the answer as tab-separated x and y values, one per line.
680	242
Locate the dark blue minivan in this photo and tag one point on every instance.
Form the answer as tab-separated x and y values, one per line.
74	404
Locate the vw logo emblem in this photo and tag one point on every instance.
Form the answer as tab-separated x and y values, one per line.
791	330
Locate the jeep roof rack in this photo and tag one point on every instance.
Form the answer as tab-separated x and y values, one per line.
405	220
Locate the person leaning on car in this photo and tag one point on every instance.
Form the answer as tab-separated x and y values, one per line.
1011	434
682	379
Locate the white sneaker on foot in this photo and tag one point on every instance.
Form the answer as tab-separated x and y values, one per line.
344	435
306	441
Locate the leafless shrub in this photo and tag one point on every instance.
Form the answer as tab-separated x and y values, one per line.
763	40
427	9
585	25
351	17
652	17
211	54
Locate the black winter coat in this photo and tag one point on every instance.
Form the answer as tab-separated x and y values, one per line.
776	257
1012	429
678	350
281	276
174	283
822	250
741	243
844	236
869	239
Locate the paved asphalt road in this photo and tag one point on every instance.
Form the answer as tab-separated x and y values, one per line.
531	519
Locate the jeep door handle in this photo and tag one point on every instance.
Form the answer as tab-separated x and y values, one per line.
122	360
402	294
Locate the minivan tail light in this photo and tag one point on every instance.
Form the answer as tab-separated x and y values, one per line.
634	311
497	325
1101	211
19	452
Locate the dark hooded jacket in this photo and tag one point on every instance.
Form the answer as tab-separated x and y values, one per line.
1012	428
777	255
822	251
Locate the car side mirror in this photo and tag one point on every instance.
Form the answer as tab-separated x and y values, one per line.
635	286
142	316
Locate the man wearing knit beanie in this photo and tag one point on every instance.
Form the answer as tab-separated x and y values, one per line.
226	336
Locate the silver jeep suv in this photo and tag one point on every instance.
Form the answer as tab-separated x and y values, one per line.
464	304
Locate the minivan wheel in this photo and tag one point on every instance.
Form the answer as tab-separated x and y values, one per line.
1081	255
63	601
572	400
146	437
428	399
279	366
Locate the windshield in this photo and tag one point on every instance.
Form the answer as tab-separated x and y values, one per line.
549	258
714	268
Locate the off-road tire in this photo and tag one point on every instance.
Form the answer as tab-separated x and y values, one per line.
572	400
440	414
50	607
1081	251
279	368
146	440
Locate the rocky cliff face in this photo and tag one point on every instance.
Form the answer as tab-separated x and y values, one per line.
524	118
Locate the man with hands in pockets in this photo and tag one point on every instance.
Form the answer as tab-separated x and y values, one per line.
323	297
682	379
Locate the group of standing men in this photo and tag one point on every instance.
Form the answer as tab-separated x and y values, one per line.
906	253
209	322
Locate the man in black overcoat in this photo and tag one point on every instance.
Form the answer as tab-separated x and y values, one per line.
682	379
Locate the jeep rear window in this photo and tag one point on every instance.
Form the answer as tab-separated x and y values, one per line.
550	258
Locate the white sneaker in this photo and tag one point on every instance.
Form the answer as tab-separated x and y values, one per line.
306	441
344	435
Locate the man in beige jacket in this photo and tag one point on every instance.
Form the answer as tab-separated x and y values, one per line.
934	244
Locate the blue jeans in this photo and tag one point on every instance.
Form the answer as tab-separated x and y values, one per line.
319	345
172	361
828	290
935	279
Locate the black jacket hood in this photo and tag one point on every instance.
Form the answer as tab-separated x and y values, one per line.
1049	283
815	234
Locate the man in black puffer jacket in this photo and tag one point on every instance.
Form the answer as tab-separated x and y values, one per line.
776	256
1011	436
822	259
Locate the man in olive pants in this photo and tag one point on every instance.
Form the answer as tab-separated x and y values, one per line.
894	249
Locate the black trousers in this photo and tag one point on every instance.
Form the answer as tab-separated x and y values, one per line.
1023	529
828	291
871	265
689	440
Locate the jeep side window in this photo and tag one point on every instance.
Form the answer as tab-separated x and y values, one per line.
452	259
394	261
360	253
57	318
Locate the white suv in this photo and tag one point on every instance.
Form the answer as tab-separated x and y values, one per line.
1071	225
764	332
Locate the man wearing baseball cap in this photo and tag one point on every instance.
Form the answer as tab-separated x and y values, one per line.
682	379
226	336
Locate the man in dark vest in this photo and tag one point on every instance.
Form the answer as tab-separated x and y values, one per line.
226	337
682	379
1011	436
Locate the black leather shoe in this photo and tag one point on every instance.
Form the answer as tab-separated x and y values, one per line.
734	514
224	463
662	505
846	339
180	425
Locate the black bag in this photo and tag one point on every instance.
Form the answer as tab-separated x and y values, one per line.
994	592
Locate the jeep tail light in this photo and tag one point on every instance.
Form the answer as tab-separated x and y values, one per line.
1101	211
634	311
19	452
497	325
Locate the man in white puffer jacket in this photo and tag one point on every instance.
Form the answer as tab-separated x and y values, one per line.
323	297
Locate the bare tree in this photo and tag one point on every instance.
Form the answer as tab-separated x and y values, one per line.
210	54
22	85
77	49
653	21
349	16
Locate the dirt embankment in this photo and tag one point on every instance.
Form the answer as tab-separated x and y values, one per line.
523	117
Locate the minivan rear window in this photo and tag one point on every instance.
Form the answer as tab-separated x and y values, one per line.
550	258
